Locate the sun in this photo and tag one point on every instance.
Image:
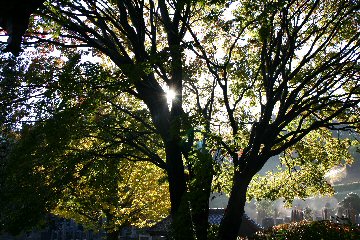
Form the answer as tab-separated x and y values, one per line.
170	95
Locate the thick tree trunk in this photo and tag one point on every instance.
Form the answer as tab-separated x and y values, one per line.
200	193
200	213
111	233
230	224
180	208
114	235
201	223
177	184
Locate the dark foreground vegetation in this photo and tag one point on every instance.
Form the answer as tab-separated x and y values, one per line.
311	230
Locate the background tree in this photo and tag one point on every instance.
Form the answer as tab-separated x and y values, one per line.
351	203
304	168
114	200
69	160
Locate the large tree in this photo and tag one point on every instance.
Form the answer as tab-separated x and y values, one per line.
305	76
266	76
144	41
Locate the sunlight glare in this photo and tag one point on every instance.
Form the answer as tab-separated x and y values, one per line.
170	95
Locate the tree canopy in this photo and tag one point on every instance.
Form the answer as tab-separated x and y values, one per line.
75	160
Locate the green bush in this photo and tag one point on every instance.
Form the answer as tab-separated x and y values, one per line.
304	230
212	232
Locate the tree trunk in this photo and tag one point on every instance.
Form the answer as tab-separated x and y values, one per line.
180	208
200	188
230	224
111	232
113	235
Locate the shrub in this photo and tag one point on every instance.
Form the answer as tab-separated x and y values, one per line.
212	232
304	230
